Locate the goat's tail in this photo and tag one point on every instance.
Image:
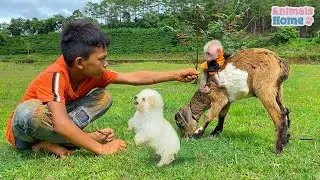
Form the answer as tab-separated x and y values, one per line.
284	75
285	70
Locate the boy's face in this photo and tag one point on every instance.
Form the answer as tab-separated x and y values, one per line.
96	64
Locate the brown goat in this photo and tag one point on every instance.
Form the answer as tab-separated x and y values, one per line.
252	72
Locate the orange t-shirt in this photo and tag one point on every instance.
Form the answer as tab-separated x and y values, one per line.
53	84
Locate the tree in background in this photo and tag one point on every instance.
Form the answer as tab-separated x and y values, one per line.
253	16
16	26
4	33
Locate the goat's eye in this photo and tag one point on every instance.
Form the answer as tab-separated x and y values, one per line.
143	99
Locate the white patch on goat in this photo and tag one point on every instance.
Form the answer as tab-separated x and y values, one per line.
235	81
199	129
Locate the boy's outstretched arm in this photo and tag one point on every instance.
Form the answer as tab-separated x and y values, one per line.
151	77
65	127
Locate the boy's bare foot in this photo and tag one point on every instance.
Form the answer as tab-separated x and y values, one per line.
52	148
113	147
103	135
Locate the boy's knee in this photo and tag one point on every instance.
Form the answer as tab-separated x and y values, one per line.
103	96
102	101
23	123
25	111
108	98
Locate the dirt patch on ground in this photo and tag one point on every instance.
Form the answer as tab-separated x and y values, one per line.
303	59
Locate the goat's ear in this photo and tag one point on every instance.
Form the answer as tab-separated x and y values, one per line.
185	115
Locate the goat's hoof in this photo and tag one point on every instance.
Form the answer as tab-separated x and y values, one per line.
215	133
278	150
285	140
196	135
288	137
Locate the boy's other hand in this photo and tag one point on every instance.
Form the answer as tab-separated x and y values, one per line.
108	135
103	135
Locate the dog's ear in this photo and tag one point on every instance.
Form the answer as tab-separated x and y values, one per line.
152	101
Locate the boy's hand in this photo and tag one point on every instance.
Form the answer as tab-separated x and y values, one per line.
187	75
113	147
108	134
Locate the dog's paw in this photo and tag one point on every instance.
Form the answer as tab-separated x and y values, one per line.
160	164
165	162
138	142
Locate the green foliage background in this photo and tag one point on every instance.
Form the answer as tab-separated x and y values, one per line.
124	41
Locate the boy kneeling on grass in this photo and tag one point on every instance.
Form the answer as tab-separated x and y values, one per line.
70	94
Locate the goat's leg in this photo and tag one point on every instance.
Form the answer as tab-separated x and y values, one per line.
284	112
222	115
268	99
288	123
216	107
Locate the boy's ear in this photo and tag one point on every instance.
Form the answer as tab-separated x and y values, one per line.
78	62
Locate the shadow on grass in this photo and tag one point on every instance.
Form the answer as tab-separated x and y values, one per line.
32	155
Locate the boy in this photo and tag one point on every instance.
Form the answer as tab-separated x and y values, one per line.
70	94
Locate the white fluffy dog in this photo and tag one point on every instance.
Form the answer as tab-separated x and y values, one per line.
151	128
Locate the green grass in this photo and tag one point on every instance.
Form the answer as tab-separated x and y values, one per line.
244	149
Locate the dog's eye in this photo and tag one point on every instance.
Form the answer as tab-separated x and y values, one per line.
143	99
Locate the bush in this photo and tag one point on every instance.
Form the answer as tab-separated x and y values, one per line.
215	30
139	40
148	20
316	39
124	41
171	21
2	39
284	35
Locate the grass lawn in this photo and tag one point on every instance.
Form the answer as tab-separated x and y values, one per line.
244	149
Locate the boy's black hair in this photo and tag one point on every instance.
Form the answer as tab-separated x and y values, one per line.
79	39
